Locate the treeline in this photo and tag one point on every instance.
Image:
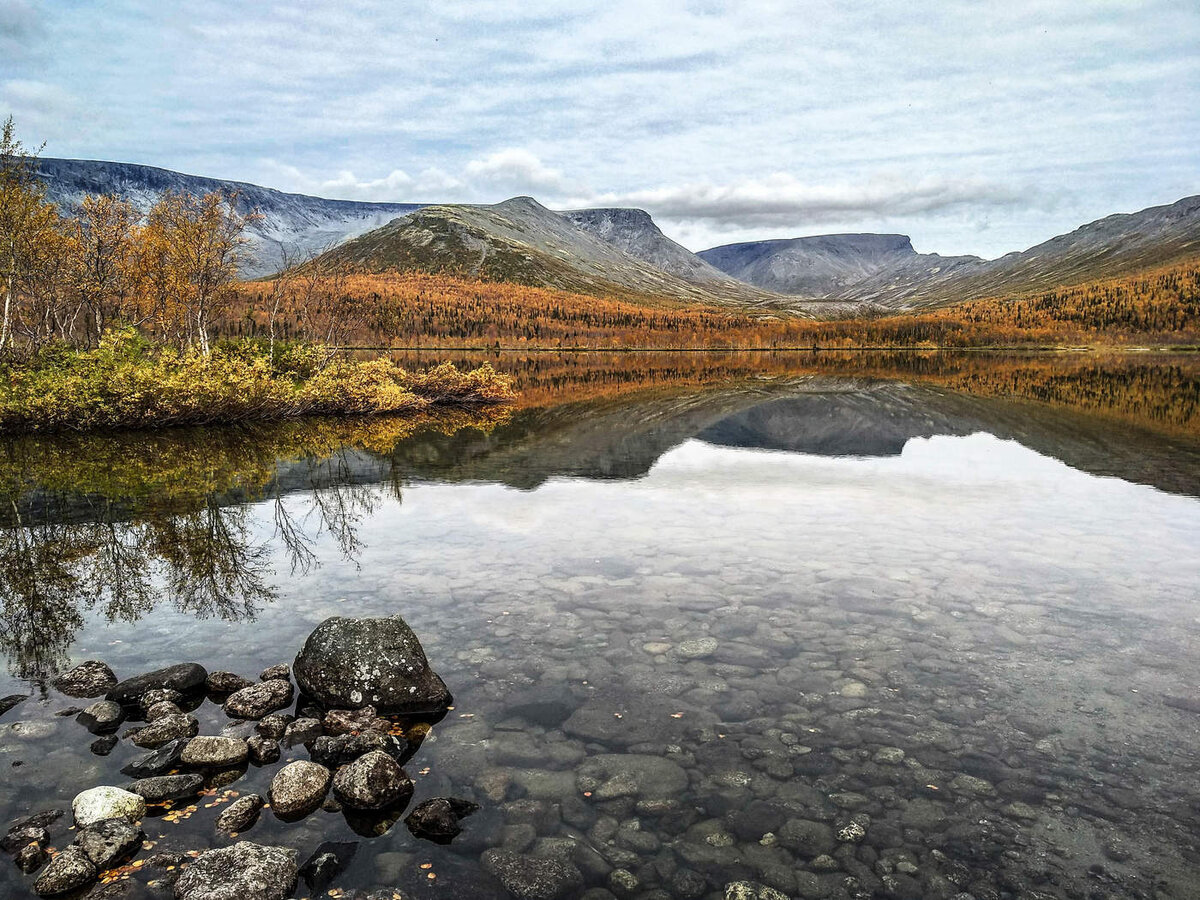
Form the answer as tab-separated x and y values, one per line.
171	272
442	311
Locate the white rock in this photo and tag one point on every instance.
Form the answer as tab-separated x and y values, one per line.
106	802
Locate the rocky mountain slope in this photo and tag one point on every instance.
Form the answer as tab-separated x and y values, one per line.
633	231
884	272
296	222
825	266
522	241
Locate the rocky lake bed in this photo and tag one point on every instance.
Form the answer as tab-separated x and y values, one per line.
962	671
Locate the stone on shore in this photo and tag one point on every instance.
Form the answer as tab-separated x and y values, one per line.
373	781
109	842
245	871
106	802
161	788
299	788
186	678
241	814
67	872
88	679
351	663
207	752
260	699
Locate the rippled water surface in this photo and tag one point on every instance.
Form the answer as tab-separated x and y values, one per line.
836	635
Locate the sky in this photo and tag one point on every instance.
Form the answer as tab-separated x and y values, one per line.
975	127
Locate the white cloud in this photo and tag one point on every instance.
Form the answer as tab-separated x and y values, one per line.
518	170
783	199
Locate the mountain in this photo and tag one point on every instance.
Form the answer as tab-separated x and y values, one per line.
1114	246
297	222
522	241
851	271
825	266
633	231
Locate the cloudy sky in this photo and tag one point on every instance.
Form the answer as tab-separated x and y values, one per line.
976	127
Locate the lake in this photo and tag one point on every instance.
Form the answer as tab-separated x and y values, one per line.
836	626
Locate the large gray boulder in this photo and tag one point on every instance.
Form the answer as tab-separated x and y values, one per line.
245	871
351	663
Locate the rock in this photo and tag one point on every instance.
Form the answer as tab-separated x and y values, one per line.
161	788
699	648
258	700
162	759
263	751
274	726
31	857
345	748
283	670
298	788
102	717
351	721
21	834
438	819
807	838
106	802
852	832
546	705
751	890
67	872
623	719
7	703
105	745
109	842
185	678
531	878
226	683
88	679
245	871
373	781
153	698
328	861
614	775
215	752
165	730
351	663
241	814
302	731
889	756
161	709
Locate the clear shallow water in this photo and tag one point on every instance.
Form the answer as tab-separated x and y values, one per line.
690	634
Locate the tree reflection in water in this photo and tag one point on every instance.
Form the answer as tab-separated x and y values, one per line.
121	524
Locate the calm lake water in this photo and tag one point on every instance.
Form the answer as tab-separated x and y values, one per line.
867	629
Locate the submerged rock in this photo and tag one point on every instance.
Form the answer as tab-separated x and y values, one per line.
245	871
373	781
327	862
186	678
67	872
109	842
241	814
532	878
351	663
88	679
106	802
438	820
258	700
299	788
12	700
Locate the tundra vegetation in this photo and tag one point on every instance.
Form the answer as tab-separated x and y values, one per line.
111	319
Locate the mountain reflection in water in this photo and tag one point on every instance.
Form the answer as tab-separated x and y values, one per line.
118	525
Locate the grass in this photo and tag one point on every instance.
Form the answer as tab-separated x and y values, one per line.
127	382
